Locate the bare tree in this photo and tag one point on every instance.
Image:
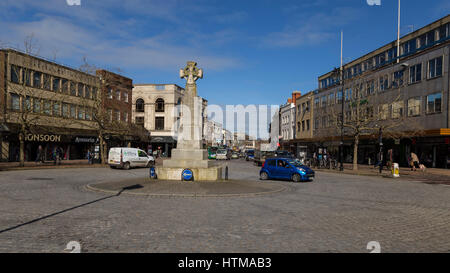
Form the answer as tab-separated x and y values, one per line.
366	112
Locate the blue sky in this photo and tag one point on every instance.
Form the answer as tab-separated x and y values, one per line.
252	51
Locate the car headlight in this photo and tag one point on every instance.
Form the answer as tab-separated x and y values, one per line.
301	170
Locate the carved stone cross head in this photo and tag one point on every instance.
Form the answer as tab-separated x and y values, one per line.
191	73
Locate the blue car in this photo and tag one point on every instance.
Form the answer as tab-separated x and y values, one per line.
285	168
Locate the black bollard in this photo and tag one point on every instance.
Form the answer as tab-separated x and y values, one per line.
226	173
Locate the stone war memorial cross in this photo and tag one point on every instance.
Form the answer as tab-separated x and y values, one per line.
189	153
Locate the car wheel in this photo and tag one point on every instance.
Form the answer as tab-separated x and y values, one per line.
126	166
296	177
263	176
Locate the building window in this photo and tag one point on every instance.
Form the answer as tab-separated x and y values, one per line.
331	98
37	105
140	121
73	89
117	94
414	106
65	110
316	102
370	87
435	68
47	82
434	103
384	83
88	115
87	92
110	93
125	96
26	107
27	77
339	96
117	114
316	123
94	93
398	79
80	90
73	111
307	125
37	79
15	74
110	115
140	105
65	86
383	111
397	109
80	112
303	125
348	94
324	121
56	84
324	101
415	73
47	107
159	105
159	123
15	102
56	109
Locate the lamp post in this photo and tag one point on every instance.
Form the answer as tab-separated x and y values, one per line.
380	140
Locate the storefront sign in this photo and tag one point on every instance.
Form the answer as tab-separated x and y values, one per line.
43	138
85	140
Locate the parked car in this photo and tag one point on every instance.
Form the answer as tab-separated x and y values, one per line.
223	154
235	155
127	158
285	168
249	155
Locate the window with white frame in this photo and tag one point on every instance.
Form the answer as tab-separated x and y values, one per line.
435	68
414	106
434	103
415	73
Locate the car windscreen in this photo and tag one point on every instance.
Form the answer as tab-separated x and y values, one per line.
221	151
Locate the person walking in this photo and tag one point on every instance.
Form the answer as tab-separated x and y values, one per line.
40	155
414	162
89	156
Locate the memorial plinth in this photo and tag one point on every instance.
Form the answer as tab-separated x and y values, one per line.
189	153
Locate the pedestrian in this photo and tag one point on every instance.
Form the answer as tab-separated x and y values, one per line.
55	155
40	155
414	162
89	156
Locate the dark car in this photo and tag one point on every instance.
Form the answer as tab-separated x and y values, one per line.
285	168
249	155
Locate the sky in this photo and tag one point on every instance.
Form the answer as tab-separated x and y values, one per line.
251	51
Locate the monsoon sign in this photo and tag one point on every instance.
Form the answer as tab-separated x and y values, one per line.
43	138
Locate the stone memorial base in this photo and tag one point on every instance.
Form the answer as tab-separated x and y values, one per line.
200	174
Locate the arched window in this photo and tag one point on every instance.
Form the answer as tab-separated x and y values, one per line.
159	104
140	105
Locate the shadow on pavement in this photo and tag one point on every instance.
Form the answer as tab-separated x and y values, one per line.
137	186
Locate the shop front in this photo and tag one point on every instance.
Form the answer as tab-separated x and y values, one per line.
162	145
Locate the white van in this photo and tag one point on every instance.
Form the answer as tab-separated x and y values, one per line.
127	158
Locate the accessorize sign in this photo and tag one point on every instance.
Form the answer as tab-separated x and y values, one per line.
42	138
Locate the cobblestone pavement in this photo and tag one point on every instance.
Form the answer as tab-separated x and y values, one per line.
43	210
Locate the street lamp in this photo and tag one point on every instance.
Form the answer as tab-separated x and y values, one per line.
380	140
340	73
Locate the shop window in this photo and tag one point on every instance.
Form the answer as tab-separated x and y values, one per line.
159	105
159	123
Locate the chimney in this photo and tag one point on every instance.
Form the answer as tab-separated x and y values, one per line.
295	96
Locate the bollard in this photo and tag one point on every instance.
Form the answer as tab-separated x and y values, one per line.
226	172
395	170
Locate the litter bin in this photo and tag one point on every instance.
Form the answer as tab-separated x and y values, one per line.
395	170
